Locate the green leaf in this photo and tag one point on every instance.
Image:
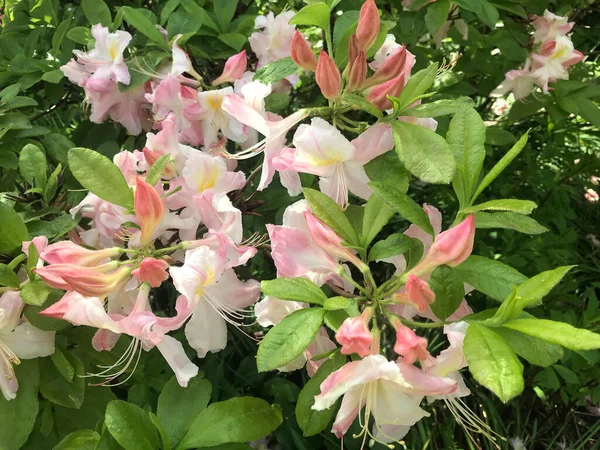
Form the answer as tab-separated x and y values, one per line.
514	205
8	277
164	439
312	422
224	11
178	406
79	440
501	165
35	293
168	9
51	228
533	350
276	71
449	291
556	333
234	40
294	289
332	215
12	230
533	290
184	22
388	167
131	426
588	110
466	138
287	340
158	168
377	215
57	146
239	419
363	104
18	415
491	277
499	137
436	15
81	35
402	204
439	108
57	389
15	121
493	363
508	220
395	244
334	319
317	14
424	153
98	174
488	14
138	19
62	364
336	303
32	165
417	85
97	11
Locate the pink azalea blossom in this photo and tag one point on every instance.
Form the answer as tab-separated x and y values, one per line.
234	69
408	345
215	118
355	336
18	340
273	41
591	195
519	82
379	387
140	323
321	149
217	297
152	271
549	26
554	60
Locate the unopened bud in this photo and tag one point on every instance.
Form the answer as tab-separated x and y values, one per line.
301	52
378	95
358	72
368	25
234	69
328	77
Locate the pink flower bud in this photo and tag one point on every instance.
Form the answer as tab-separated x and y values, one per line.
378	95
66	252
149	209
354	335
394	66
39	242
53	274
301	52
234	69
449	248
368	25
329	241
328	77
358	72
353	49
408	345
152	271
90	283
152	156
418	293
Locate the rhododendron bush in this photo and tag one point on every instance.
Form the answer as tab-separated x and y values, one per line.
234	223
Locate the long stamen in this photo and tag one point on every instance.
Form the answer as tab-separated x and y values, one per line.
133	352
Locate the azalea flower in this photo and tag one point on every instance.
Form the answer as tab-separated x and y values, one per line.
519	82
18	340
379	388
549	26
216	295
553	61
321	149
215	118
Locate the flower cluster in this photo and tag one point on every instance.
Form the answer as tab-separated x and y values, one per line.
551	61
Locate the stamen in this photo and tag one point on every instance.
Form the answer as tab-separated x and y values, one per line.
133	351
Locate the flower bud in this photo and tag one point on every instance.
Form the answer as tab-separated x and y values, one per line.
152	156
66	252
358	72
449	248
329	241
368	25
328	77
378	95
149	209
301	52
353	49
417	294
152	271
394	66
54	273
408	345
234	69
354	335
90	283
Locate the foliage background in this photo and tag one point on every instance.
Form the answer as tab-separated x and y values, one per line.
554	170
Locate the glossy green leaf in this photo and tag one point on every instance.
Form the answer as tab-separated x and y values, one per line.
556	333
12	230
136	18
417	85
436	15
178	406
424	153
98	174
449	291
402	204
533	350
493	363
332	215
491	277
294	289
276	71
57	389
393	245
239	419
316	14
79	440
287	340
533	290
377	215
510	221
35	293
131	426
8	277
387	167
97	11
514	205
439	108
32	165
